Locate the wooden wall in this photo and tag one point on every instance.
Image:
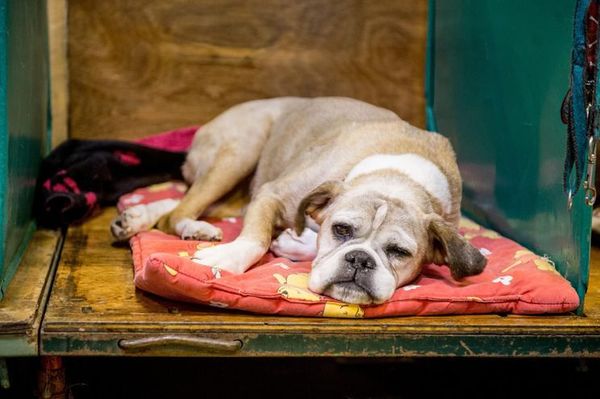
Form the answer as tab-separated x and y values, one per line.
142	66
59	88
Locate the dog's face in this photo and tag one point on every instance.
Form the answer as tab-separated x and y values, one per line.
369	245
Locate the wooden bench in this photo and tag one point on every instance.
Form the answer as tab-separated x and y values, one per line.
94	309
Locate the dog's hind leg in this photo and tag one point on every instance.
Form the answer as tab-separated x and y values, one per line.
227	170
224	152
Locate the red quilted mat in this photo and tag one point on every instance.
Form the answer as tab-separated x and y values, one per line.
515	280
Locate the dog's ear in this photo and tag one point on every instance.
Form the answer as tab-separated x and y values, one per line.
316	201
450	248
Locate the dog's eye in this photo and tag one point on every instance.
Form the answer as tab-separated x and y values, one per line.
396	252
342	230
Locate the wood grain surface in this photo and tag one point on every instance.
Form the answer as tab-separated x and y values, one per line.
23	296
142	66
22	308
59	88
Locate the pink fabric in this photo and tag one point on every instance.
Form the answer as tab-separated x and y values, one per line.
128	158
174	140
515	280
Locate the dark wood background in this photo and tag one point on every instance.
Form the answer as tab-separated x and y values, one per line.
143	66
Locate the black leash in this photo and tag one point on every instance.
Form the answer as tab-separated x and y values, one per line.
580	109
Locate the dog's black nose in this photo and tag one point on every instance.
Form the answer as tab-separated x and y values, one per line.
360	259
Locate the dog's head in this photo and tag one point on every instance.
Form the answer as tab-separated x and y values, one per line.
370	244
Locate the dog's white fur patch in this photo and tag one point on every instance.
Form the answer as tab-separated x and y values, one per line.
299	248
235	257
380	215
417	168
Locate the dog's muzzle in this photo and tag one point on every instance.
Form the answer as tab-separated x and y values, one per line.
355	277
352	277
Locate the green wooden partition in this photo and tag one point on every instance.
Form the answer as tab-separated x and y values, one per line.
23	122
497	74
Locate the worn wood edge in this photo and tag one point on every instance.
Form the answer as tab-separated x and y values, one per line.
11	267
21	338
330	345
59	70
18	345
8	325
45	296
311	327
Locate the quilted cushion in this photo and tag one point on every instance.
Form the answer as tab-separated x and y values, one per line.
515	281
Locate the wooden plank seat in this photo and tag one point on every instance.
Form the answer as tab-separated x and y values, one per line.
183	62
22	308
94	309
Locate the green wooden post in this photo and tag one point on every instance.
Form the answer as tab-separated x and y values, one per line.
23	123
497	73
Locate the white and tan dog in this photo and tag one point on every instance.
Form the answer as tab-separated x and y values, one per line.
384	195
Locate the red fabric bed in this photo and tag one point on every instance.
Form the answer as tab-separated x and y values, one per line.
515	280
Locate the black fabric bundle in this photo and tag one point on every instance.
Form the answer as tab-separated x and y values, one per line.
81	175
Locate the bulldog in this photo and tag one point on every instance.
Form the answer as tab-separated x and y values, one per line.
366	194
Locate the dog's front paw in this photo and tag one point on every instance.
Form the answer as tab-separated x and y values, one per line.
140	218
190	229
235	257
130	222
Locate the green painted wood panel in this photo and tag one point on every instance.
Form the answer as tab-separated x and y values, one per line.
23	122
497	74
349	345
